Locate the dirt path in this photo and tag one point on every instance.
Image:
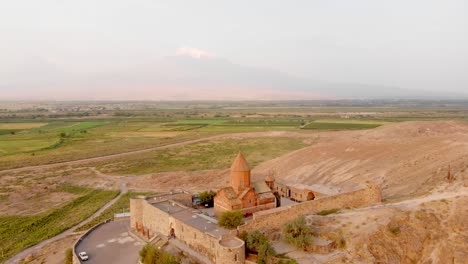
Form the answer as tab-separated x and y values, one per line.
444	192
123	184
21	255
171	145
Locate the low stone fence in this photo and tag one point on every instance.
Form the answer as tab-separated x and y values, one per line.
274	219
76	259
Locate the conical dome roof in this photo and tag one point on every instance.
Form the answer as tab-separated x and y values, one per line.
240	164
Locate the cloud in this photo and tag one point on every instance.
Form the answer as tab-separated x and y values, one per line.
194	53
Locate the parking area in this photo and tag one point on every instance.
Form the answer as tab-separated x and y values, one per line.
111	243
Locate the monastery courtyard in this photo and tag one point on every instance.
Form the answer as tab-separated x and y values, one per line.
266	205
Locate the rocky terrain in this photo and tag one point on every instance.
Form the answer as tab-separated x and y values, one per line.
423	216
406	159
427	229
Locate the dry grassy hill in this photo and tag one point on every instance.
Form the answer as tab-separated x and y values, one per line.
406	158
421	220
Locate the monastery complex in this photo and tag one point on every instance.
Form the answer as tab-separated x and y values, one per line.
173	215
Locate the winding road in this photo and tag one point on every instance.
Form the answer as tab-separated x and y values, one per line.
122	154
16	258
123	184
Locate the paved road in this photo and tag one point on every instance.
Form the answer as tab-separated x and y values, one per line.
123	189
123	186
80	161
16	258
111	243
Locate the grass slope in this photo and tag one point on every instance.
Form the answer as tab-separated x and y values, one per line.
66	140
339	126
20	232
201	156
121	205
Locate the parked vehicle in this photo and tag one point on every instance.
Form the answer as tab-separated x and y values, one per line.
83	256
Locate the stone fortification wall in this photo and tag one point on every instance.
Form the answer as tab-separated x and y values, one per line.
143	213
274	219
229	249
148	216
136	211
196	239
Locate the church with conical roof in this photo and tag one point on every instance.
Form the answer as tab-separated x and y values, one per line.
242	195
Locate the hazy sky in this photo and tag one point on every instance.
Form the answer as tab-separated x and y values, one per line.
418	45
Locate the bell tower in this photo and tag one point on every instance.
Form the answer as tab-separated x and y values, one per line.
240	174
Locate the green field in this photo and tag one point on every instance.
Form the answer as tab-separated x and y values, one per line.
20	232
44	133
121	205
63	141
201	156
340	126
50	132
60	141
21	125
200	122
43	137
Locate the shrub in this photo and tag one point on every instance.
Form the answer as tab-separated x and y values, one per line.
265	250
256	242
207	198
254	239
231	219
288	261
394	230
151	255
342	243
298	233
69	256
327	212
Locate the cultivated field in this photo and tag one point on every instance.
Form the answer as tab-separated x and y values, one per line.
154	147
18	232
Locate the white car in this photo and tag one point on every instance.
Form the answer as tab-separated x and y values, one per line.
83	255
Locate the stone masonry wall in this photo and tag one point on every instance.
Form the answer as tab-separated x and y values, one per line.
274	219
159	221
136	211
230	250
196	239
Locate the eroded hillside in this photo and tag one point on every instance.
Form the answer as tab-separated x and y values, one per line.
428	229
423	216
406	159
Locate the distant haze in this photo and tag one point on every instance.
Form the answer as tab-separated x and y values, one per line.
233	50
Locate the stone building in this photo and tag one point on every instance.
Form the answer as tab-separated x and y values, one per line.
171	215
241	195
168	216
295	192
